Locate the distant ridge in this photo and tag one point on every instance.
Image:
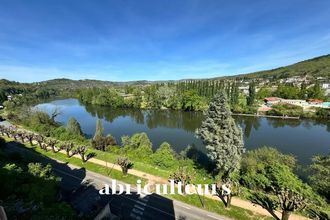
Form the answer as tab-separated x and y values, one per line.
316	67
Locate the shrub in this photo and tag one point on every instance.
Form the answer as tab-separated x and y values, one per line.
323	113
286	110
254	166
164	157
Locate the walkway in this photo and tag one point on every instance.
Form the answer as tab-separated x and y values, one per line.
156	179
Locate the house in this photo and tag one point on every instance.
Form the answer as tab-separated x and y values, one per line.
314	101
272	100
326	87
9	97
244	89
298	102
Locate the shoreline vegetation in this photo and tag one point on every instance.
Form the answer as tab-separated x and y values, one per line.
254	178
263	176
185	96
208	203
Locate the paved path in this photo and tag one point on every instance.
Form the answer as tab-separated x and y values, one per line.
147	207
156	179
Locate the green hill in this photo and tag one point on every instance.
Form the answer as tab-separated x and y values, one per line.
316	67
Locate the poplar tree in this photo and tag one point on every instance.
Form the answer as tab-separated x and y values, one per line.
221	136
99	132
252	94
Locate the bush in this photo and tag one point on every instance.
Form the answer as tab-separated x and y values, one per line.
319	177
323	113
254	166
164	157
286	110
138	146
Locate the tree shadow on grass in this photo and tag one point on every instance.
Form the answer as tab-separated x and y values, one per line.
81	191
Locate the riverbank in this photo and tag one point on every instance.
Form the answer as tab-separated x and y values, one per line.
210	204
105	166
265	116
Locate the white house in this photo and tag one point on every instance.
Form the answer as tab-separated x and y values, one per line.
326	87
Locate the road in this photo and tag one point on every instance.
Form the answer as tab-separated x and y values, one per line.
133	206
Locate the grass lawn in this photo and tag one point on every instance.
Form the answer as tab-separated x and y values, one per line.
210	205
217	207
115	174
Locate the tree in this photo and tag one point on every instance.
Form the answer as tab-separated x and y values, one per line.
125	164
319	177
252	94
98	141
270	176
184	175
38	170
73	127
254	163
30	137
164	156
3	96
40	139
68	148
234	95
51	143
316	92
221	136
264	92
287	92
191	101
99	132
21	135
287	192
81	150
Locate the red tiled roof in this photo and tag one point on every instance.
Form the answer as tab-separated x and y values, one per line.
314	100
272	99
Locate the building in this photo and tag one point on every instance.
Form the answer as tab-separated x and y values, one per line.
272	100
244	89
326	87
298	102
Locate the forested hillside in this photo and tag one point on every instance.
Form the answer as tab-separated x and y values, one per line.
316	67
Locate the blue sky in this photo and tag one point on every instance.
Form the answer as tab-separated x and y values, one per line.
122	40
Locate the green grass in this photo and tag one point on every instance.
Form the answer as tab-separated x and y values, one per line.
210	205
115	174
144	167
217	207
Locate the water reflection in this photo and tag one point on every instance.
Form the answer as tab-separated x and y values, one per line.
303	138
110	115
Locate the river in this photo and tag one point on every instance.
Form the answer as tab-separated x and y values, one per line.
302	138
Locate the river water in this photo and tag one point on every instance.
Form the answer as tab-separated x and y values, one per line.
302	138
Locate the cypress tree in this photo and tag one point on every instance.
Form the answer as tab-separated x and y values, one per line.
99	132
221	136
73	127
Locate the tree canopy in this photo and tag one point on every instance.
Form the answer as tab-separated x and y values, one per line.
222	137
